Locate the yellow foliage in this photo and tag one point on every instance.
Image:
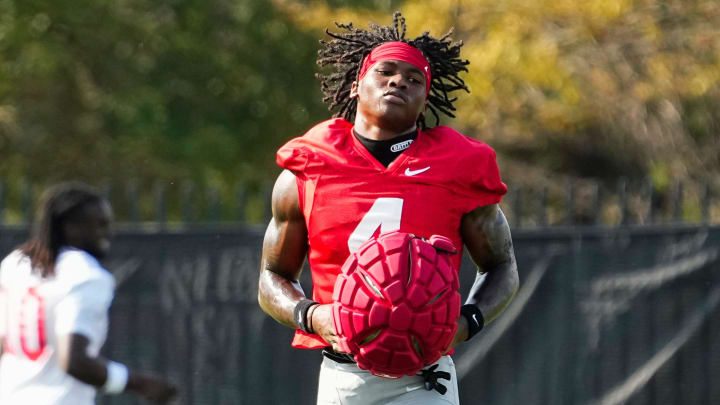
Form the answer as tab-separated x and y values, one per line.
562	66
318	16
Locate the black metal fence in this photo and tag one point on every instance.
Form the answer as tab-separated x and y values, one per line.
590	202
160	204
603	316
166	204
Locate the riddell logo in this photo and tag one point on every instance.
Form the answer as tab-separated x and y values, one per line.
401	145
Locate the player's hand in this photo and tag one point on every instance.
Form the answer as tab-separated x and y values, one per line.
152	388
461	333
322	323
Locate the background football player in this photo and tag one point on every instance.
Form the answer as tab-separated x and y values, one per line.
54	301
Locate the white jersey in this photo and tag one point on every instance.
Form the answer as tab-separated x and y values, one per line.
35	312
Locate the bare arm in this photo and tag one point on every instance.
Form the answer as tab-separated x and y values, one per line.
486	235
284	249
73	358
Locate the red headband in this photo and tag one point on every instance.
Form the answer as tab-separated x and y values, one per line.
397	51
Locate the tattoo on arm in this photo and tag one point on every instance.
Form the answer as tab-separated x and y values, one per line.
486	235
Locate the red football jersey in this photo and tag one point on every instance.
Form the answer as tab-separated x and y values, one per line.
347	196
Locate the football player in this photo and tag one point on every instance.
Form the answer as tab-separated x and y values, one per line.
377	167
54	301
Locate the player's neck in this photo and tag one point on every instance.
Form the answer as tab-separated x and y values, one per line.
378	133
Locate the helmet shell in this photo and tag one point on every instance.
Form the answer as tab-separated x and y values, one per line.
396	303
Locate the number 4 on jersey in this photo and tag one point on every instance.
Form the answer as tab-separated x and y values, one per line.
385	214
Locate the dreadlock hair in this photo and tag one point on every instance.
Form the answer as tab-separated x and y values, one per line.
60	203
347	50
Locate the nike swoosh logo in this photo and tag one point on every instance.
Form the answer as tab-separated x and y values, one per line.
475	319
409	172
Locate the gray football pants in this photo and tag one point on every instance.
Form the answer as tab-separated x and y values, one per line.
346	384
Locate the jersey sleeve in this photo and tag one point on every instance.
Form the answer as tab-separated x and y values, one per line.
293	156
307	155
482	183
84	310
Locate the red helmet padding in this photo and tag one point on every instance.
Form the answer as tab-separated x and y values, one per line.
396	303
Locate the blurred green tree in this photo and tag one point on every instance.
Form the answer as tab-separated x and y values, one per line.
205	90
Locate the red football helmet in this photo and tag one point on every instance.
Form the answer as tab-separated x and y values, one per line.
396	303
